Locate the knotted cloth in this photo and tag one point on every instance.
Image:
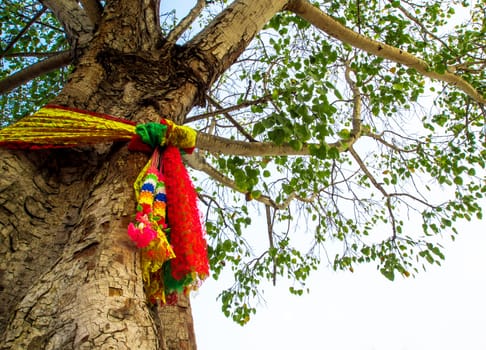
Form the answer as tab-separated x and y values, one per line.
167	225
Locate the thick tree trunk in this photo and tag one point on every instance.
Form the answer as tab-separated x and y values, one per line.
78	285
69	275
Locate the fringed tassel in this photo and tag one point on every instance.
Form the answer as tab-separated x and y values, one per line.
190	266
149	231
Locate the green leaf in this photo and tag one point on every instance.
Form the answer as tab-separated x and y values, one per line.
296	144
458	181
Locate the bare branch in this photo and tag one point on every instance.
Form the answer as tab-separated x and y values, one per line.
222	110
370	176
423	202
231	119
270	221
329	25
380	139
378	186
176	33
48	65
25	29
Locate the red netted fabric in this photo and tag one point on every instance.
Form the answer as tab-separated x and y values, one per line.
190	265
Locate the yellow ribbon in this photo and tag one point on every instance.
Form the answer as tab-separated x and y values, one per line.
180	136
63	126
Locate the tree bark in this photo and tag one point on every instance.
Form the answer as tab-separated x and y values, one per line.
81	287
69	275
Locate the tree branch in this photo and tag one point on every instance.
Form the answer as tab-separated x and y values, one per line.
223	40
199	163
32	54
40	22
216	144
356	118
270	221
421	201
176	33
378	186
222	110
380	139
329	25
74	19
48	65
22	32
231	119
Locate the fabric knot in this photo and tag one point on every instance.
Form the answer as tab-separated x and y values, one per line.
152	134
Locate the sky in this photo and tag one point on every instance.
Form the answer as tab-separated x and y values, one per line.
443	308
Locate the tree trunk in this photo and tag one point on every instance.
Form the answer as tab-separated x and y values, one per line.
70	276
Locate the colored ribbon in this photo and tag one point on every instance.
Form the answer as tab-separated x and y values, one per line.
57	126
190	265
167	226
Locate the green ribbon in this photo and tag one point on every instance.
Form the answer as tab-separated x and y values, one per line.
152	133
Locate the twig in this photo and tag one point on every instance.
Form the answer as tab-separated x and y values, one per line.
421	25
270	220
390	145
222	110
378	186
231	119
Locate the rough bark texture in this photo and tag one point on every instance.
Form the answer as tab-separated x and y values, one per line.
79	288
69	276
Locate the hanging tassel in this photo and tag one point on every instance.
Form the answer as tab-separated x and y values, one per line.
149	231
190	266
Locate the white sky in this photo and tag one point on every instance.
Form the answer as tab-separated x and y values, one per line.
441	309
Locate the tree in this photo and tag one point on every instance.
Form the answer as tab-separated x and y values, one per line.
357	119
